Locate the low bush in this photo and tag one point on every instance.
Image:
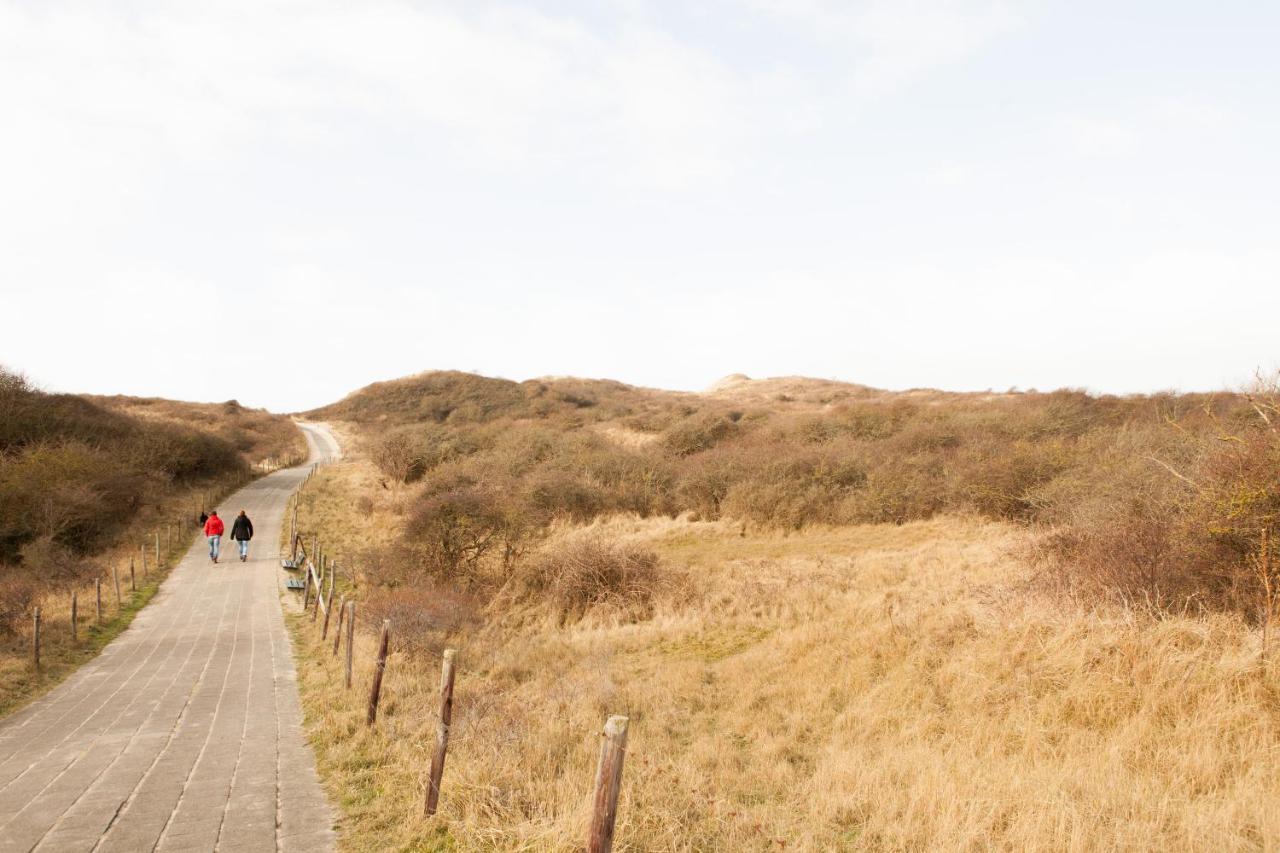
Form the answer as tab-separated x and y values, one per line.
424	616
584	575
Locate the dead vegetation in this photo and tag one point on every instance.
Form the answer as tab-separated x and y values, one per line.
845	620
1159	500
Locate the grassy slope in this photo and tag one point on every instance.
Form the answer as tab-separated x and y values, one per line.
869	687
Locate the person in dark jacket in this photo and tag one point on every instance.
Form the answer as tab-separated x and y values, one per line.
242	532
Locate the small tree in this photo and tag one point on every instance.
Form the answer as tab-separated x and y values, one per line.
398	457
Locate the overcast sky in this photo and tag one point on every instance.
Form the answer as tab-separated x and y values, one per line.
282	201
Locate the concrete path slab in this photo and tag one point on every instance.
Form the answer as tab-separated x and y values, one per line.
186	732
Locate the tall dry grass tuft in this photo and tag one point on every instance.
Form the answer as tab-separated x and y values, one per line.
587	574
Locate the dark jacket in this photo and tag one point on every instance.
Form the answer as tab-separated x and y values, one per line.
242	530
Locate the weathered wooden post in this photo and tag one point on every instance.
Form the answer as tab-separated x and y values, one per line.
442	732
328	611
379	667
337	632
115	576
604	803
315	611
306	589
351	640
74	614
35	638
157	548
133	579
97	588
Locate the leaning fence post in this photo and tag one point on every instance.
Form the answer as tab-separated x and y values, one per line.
604	804
35	639
337	632
306	589
115	576
133	579
379	667
74	638
351	639
157	548
97	588
315	611
328	610
442	732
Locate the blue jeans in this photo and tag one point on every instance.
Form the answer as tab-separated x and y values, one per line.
214	542
244	547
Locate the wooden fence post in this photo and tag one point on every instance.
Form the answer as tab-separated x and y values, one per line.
115	576
351	640
143	549
97	588
157	548
133	579
328	610
442	732
306	589
337	632
315	611
35	638
604	804
74	614
379	667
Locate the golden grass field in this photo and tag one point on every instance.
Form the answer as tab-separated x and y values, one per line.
861	688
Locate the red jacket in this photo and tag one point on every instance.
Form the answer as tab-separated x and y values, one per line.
214	526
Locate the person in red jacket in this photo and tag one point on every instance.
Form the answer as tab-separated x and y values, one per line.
213	530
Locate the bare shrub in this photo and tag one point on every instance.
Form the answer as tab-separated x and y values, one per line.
794	489
453	531
699	433
18	594
397	456
1168	517
423	616
583	575
55	565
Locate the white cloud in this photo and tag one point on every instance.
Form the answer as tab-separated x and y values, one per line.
889	42
640	189
1092	137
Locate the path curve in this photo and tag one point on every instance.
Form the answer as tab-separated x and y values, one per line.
185	734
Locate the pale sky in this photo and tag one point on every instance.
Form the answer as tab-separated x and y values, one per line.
282	201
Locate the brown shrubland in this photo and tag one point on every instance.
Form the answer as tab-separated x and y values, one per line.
1154	500
838	618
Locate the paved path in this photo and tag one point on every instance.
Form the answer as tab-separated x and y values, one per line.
186	732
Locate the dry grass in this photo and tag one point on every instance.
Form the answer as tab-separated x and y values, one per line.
59	655
871	687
